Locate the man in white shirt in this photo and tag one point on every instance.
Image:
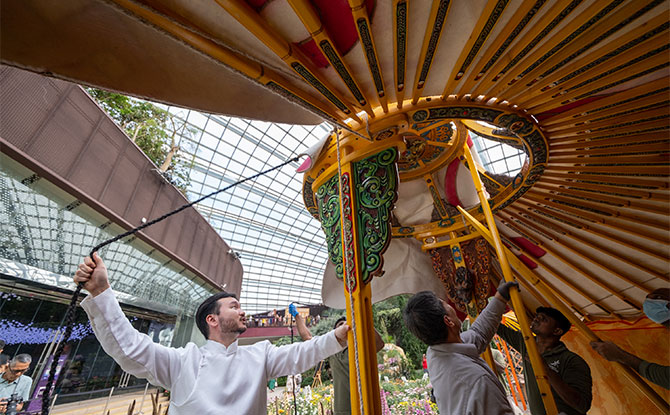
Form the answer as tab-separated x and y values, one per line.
462	381
217	378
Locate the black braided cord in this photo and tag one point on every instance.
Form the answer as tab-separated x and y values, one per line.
71	311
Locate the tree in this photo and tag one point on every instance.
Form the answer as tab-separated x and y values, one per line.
153	129
387	316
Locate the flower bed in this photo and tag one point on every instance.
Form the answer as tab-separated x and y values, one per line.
398	397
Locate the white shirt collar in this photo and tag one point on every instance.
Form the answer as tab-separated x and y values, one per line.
217	347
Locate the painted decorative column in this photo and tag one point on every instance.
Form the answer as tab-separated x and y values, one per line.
358	231
471	306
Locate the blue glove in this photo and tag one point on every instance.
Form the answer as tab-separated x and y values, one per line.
292	310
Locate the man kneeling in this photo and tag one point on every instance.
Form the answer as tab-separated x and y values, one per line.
463	383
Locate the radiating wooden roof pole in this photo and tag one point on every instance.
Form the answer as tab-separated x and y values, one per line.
530	278
517	303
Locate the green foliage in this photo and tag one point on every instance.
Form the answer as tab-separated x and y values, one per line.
281	381
322	327
154	130
388	316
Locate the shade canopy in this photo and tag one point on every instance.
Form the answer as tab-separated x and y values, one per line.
592	75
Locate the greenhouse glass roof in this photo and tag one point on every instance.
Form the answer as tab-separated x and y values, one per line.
281	246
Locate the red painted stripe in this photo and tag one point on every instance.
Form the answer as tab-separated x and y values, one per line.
450	183
529	262
567	107
309	48
256	4
529	247
339	22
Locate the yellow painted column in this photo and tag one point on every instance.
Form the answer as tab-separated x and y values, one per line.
363	375
517	302
367	192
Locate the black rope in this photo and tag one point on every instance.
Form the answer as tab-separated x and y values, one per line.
71	311
293	386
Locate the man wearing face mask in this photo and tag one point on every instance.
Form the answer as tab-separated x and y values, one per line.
657	307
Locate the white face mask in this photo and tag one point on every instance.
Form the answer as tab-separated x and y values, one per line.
656	310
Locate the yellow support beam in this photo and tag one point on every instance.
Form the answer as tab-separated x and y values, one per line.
553	272
431	40
294	58
523	15
623	201
263	75
544	91
572	26
622	181
517	302
582	45
363	374
432	245
576	267
531	278
628	147
603	220
362	22
531	37
594	85
595	231
548	227
400	21
633	118
313	24
622	97
488	18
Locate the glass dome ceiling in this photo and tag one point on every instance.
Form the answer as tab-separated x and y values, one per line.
281	246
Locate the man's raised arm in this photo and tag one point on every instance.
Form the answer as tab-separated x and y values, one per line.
135	352
486	324
303	331
298	357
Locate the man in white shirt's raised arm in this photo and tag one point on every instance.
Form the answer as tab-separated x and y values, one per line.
217	378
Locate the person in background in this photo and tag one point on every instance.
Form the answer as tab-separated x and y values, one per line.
569	375
424	364
4	362
339	364
657	307
462	381
14	381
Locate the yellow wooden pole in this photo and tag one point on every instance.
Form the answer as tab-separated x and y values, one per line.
363	374
517	302
531	279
